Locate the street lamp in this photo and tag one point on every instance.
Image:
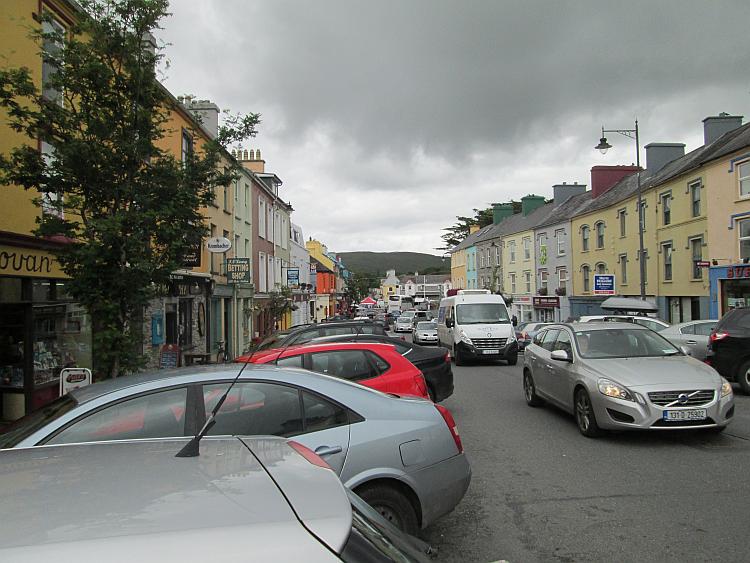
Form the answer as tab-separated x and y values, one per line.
603	147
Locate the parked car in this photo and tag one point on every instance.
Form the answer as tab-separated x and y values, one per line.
304	333
692	335
402	324
403	455
425	332
433	362
379	366
144	504
654	324
729	347
623	377
525	332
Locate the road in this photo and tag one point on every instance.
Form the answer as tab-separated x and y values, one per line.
542	492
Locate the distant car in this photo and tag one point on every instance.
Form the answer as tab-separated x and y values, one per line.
425	332
305	333
433	362
729	347
403	456
402	324
654	324
693	335
144	504
379	366
525	333
623	377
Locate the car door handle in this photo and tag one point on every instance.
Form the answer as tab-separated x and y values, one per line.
691	342
328	450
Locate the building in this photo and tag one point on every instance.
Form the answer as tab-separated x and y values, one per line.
304	307
489	249
325	279
425	288
389	285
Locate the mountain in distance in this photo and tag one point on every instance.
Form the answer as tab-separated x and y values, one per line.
377	263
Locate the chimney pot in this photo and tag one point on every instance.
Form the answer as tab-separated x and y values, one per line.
245	158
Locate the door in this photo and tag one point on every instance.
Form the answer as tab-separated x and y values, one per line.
541	361
561	373
326	430
698	342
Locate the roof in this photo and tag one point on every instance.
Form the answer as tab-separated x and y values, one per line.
427	278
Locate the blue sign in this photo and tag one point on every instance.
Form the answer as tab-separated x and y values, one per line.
604	284
292	277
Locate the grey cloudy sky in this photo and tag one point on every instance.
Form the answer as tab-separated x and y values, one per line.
387	119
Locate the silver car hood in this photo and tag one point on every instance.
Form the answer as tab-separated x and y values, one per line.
668	373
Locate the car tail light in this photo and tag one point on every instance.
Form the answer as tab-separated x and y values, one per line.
718	335
308	454
448	357
448	418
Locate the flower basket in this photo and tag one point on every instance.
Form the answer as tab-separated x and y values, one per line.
560	291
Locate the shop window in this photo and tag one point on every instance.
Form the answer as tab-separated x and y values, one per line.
585	232
743	173
744	233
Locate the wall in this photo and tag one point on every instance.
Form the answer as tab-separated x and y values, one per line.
552	261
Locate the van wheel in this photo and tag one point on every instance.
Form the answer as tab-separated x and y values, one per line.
743	378
460	361
512	360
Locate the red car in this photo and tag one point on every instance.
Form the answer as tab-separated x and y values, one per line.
378	366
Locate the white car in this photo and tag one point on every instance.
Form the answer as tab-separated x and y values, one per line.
402	324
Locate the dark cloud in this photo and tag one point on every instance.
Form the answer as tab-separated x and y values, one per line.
429	108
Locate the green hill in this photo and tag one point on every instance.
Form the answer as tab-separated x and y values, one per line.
402	262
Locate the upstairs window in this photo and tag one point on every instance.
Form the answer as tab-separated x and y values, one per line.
666	209
666	250
586	274
527	248
512	247
623	269
695	199
744	233
600	234
696	252
559	235
743	174
52	45
585	232
621	219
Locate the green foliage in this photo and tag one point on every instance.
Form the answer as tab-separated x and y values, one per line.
358	286
378	263
279	304
129	209
460	230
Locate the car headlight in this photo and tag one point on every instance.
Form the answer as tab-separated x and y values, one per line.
612	389
726	388
465	339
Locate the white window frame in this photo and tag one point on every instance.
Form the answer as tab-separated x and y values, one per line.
695	188
261	218
586	275
262	273
585	238
562	277
512	250
527	280
600	225
526	249
543	278
743	168
621	218
559	235
666	208
512	283
693	268
667	249
623	259
740	238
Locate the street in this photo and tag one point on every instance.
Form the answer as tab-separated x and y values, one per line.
542	492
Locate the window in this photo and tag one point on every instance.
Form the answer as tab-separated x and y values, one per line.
512	283
269	223
666	250
548	341
563	343
644	268
543	246
543	276
345	364
744	233
621	219
262	277
623	269
695	198
226	195
187	146
156	415
321	414
559	235
666	208
743	172
696	252
527	278
562	278
512	247
704	329
261	218
601	268
642	215
497	255
526	248
586	273
247	248
51	201
237	247
585	238
52	46
254	408
271	273
599	234
481	260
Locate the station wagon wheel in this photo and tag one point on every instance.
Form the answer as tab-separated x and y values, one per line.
743	378
529	391
585	417
392	505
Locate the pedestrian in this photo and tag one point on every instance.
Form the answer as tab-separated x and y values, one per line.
514	320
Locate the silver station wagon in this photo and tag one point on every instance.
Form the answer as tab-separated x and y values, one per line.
615	376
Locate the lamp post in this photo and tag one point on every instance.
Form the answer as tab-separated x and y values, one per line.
603	147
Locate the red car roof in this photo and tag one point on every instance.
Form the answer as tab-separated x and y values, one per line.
272	354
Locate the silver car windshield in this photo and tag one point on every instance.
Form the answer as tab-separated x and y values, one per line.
481	313
426	326
622	343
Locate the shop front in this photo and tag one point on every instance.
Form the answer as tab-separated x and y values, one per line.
522	308
729	288
42	330
546	309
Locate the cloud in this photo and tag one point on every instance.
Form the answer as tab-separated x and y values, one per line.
386	119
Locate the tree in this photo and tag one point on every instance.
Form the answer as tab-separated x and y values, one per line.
279	303
358	286
459	231
129	209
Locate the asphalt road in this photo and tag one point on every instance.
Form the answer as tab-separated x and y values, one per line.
542	492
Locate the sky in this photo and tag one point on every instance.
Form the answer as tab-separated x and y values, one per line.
385	120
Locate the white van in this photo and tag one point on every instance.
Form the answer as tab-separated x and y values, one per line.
475	323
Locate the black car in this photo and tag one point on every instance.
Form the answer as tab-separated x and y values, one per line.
729	347
305	333
434	363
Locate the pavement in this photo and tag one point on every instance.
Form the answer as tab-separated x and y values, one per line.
541	491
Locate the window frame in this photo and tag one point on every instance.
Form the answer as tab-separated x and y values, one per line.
586	275
667	249
623	260
665	200
559	235
740	178
585	238
621	217
526	241
600	236
740	238
512	251
693	189
693	260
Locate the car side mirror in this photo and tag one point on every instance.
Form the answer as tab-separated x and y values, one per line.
449	323
561	356
685	350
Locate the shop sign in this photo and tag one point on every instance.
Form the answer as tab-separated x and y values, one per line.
185	286
192	258
292	277
604	284
238	270
703	263
546	302
522	299
218	245
28	262
73	378
738	272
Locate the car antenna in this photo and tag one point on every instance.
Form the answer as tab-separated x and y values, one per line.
192	448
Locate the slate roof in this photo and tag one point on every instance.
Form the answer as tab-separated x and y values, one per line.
430	278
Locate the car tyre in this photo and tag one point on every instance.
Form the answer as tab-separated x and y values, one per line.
512	360
743	378
458	356
585	417
392	505
529	391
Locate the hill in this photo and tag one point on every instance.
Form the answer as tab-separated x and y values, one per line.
402	262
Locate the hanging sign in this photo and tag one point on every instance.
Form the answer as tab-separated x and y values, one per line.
292	277
218	245
604	284
73	378
238	270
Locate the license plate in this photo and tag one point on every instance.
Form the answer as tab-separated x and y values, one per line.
697	414
490	351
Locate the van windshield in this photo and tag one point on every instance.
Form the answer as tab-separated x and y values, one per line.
481	313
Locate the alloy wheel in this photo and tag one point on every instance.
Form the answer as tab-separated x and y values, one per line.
528	387
583	411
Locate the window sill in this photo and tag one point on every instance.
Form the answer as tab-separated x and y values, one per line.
696	280
667	281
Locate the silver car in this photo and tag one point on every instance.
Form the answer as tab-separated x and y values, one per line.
623	376
693	335
403	456
402	324
243	499
425	332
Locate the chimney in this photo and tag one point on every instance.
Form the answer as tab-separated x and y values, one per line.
715	126
604	177
473	229
659	154
563	192
251	160
531	202
500	212
207	114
